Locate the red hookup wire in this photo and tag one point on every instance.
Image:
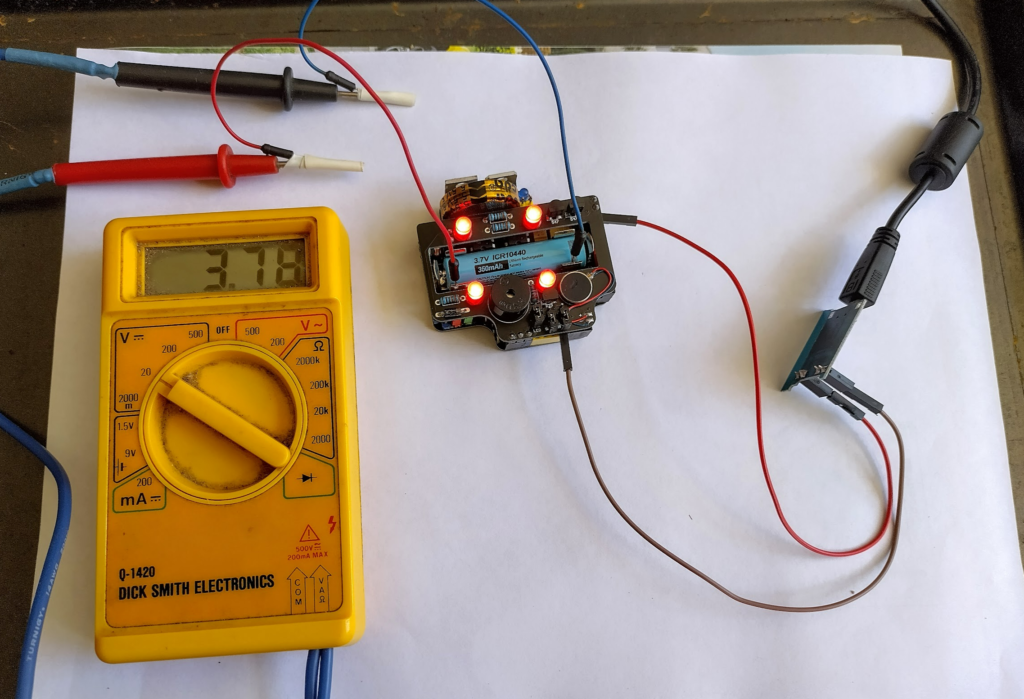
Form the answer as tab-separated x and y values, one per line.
757	404
366	86
706	253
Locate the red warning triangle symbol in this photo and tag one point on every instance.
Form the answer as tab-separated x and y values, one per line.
308	534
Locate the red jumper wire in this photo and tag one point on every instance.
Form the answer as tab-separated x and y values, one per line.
760	433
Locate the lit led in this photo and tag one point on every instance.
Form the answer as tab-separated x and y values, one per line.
533	216
463	227
475	291
546	279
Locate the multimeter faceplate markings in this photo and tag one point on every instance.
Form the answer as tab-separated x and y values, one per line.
140	352
309	478
222	566
310	359
257	554
128	458
310	593
140	493
276	333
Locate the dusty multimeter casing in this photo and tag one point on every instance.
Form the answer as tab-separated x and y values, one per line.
203	548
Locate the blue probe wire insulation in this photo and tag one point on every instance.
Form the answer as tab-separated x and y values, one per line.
32	179
319	664
58	61
30	645
312	669
558	102
326	667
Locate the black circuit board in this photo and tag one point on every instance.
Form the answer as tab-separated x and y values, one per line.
506	255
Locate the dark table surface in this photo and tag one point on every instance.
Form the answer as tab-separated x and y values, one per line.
35	120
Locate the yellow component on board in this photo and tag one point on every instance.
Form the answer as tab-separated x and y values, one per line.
228	510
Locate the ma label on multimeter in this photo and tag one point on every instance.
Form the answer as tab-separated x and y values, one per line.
228	465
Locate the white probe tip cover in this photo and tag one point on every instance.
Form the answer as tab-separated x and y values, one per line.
315	162
397	99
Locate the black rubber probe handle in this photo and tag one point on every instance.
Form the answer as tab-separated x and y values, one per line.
176	79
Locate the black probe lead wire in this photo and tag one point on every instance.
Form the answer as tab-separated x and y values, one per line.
707	578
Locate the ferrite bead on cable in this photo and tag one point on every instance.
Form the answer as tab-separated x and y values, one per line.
946	150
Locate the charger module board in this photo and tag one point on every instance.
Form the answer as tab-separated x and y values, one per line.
228	499
518	273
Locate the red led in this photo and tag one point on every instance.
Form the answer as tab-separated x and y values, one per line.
463	227
546	280
533	216
475	291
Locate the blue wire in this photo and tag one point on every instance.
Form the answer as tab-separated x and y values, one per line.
558	101
302	30
60	62
32	179
312	670
319	664
547	68
326	666
30	645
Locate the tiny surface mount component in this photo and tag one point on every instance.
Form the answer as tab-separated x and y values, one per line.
517	274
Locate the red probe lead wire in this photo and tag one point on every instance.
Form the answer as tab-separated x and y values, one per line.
366	86
760	433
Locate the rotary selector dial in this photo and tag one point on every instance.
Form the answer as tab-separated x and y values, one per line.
223	422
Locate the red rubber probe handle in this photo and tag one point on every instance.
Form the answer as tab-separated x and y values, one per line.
224	166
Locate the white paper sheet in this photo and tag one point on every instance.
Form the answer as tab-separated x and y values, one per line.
494	567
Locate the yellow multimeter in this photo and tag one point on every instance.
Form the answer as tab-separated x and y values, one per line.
228	508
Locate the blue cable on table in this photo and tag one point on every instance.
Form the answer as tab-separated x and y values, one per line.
30	645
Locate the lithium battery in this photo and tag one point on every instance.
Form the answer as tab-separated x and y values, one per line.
523	260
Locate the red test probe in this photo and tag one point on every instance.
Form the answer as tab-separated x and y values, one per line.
224	166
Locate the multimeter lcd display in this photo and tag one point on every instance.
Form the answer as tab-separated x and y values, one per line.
191	269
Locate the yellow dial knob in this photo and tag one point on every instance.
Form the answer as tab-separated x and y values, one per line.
223	422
